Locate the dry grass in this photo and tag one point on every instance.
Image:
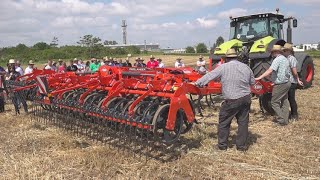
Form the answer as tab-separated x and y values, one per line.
31	150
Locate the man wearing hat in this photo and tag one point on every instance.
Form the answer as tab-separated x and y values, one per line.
127	63
152	63
280	74
178	63
161	64
139	63
201	62
236	79
294	79
19	68
30	67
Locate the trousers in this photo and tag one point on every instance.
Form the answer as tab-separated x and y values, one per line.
279	101
292	99
238	108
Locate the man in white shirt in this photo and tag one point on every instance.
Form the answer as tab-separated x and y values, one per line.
81	66
201	62
178	63
18	68
30	67
160	63
49	66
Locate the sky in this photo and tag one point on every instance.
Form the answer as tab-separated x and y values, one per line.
170	23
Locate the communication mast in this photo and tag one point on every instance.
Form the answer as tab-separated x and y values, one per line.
124	31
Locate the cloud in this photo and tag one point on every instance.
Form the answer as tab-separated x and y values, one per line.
232	12
207	23
304	2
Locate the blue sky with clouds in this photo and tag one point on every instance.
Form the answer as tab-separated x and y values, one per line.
170	23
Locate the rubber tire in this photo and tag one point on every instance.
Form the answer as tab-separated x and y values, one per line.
214	63
303	72
266	103
260	66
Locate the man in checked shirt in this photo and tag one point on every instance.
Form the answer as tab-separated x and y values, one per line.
236	79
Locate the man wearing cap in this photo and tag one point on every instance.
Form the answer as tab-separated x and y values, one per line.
95	65
178	63
236	79
30	67
152	63
280	75
294	79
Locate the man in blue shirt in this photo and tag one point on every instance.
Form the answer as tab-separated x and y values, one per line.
280	74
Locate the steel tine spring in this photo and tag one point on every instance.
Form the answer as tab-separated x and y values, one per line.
208	102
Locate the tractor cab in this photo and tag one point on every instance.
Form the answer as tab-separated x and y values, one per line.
258	26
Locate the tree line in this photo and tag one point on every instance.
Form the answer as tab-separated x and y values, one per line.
202	47
88	46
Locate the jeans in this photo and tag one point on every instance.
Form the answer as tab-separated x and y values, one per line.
238	108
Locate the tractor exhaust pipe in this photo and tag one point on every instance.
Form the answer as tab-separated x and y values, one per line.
289	32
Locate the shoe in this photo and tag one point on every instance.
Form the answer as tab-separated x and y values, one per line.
282	122
221	148
294	117
242	149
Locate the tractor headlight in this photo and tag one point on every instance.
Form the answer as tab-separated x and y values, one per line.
261	46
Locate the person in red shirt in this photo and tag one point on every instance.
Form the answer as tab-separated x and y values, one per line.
152	63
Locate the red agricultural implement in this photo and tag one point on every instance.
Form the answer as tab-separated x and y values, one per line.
133	104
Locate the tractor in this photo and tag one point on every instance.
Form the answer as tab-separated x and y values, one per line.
253	36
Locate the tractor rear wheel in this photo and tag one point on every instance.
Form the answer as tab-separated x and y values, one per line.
260	66
307	72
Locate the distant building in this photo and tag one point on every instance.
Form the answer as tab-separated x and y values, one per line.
305	47
176	51
147	47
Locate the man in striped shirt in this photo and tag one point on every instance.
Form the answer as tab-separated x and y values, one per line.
236	79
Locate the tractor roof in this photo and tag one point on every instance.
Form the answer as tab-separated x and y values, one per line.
260	15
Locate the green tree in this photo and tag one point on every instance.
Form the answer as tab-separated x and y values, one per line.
219	41
318	46
201	48
54	42
133	50
190	49
92	43
41	46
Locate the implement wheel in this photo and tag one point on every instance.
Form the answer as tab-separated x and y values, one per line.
307	72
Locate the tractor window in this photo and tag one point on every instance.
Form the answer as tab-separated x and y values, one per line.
275	28
251	29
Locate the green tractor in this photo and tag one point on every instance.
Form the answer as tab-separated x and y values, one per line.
253	36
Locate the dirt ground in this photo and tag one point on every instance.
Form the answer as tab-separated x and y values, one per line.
33	150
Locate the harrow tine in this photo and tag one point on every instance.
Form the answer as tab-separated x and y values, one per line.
207	101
